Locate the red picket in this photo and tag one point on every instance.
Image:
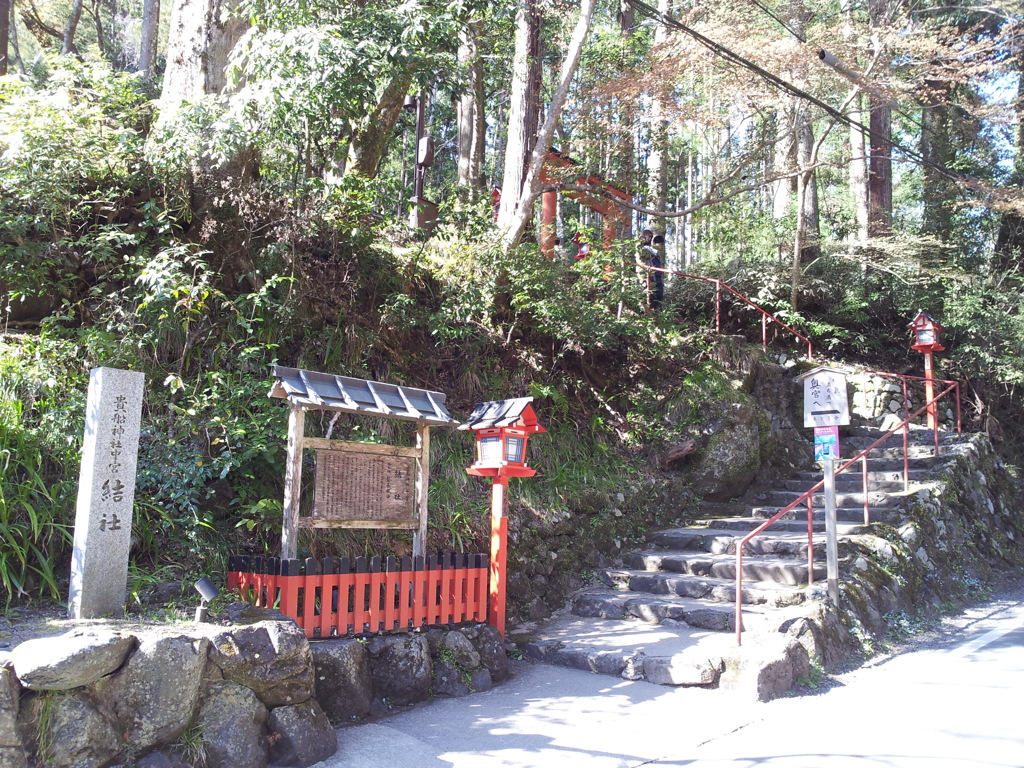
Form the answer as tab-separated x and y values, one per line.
336	597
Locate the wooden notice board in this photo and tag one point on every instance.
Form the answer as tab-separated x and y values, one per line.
359	486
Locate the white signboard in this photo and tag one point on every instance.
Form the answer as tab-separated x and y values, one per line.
825	402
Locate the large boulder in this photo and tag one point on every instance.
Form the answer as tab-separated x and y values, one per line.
731	456
272	658
72	733
769	665
231	720
12	754
401	668
301	735
71	660
489	644
344	686
157	690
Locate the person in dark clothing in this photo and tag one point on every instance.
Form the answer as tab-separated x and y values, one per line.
651	255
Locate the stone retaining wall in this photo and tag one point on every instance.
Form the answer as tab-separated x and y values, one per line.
953	539
246	694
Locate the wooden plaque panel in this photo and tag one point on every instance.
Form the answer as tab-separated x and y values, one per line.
356	487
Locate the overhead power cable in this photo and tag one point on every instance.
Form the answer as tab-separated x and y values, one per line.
729	55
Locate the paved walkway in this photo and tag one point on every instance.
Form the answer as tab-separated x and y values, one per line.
953	700
545	716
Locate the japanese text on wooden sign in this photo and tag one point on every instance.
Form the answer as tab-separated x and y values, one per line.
825	402
365	488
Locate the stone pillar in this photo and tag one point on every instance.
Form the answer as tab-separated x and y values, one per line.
106	493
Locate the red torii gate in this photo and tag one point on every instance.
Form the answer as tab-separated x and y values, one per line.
553	173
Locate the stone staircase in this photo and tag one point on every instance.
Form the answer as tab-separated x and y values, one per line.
667	615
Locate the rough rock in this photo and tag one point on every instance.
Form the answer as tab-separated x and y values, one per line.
232	721
244	613
13	757
79	736
343	682
272	658
301	735
10	693
682	669
156	692
449	679
401	668
71	660
457	646
488	643
159	760
766	666
730	460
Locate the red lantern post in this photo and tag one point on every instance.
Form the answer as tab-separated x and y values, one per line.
502	429
926	340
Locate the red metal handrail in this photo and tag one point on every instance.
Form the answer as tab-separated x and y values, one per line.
808	496
719	285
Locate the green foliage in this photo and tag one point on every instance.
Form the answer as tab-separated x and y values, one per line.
70	165
40	428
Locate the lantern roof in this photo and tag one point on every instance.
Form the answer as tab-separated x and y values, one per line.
326	391
504	413
924	320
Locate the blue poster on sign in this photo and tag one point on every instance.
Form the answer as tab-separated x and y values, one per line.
826	443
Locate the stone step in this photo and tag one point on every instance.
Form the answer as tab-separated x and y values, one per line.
855	499
894	463
849	482
771	542
668	654
786	571
707	588
853	476
610	603
721	540
851	519
795	521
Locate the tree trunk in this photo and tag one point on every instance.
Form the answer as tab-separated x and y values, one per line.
1009	247
523	208
523	111
784	159
809	210
370	141
470	112
935	151
14	41
657	159
625	172
5	34
68	43
150	35
880	124
858	171
201	38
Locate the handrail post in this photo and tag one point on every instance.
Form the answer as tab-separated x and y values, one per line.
864	470
764	331
739	594
906	459
810	542
959	426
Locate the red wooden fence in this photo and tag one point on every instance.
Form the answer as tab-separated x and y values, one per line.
337	596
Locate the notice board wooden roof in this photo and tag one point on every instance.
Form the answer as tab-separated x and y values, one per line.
326	391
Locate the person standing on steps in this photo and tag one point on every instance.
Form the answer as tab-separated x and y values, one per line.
649	256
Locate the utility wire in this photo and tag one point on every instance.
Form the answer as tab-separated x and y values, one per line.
729	55
798	35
